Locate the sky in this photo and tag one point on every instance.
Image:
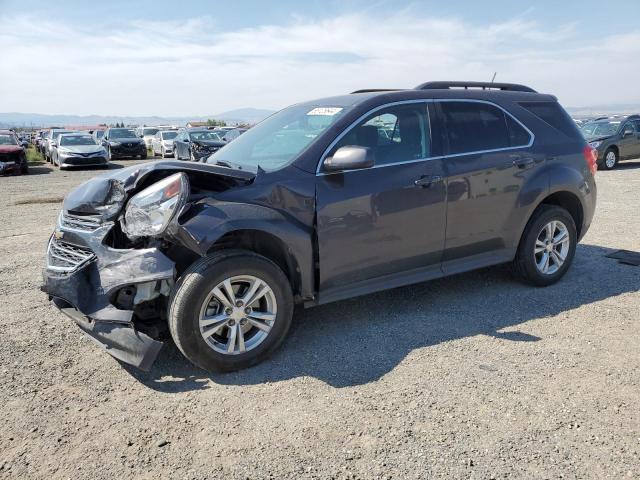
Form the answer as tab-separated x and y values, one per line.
197	57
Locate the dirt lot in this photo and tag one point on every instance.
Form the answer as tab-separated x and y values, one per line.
475	376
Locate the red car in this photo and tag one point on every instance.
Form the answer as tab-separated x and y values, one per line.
13	158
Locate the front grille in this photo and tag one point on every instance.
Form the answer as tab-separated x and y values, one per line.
66	258
10	157
85	223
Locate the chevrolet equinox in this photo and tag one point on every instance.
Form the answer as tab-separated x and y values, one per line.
322	201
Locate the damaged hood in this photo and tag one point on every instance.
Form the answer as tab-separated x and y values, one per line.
115	187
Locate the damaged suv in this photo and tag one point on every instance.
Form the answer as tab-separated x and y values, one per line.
322	201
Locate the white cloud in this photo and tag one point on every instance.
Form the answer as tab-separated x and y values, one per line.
194	68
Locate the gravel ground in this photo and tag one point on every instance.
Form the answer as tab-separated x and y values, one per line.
473	376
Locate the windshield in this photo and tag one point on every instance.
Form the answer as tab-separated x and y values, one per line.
7	139
278	140
122	133
169	135
600	129
204	135
150	131
68	140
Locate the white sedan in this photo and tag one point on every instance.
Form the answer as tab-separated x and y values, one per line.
162	143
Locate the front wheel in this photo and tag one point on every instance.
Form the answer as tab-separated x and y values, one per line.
547	247
230	310
610	159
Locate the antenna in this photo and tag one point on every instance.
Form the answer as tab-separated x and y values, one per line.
494	76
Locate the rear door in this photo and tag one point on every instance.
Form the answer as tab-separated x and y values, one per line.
384	221
629	144
488	161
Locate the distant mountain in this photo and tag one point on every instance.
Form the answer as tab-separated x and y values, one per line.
611	109
16	119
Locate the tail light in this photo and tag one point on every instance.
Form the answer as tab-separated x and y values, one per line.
591	156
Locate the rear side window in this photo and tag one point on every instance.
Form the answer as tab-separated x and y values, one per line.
553	114
475	127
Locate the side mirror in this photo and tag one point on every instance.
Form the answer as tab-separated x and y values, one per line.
627	133
349	158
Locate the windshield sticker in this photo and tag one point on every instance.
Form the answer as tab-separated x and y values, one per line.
325	111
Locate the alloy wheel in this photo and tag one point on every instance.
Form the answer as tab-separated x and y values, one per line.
238	315
610	159
552	247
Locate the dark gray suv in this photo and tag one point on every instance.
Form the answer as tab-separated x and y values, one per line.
614	138
322	201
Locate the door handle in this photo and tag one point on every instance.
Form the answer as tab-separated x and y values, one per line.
524	163
427	180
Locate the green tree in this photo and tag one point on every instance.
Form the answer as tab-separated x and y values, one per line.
212	122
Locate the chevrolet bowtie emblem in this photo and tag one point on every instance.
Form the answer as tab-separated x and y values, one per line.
58	234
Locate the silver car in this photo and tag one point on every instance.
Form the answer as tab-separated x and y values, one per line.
79	150
162	143
50	141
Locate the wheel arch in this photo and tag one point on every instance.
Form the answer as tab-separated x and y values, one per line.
266	244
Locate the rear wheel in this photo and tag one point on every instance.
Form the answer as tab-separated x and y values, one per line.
230	310
547	246
610	159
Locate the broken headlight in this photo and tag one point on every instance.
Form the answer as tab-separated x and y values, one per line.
149	212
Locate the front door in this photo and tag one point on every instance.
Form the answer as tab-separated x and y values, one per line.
387	221
630	141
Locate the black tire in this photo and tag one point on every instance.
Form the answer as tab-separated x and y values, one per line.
614	154
143	156
525	262
193	288
24	169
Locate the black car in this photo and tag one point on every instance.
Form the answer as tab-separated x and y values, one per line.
615	139
322	201
123	143
196	144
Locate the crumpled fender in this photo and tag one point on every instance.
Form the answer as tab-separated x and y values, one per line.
207	221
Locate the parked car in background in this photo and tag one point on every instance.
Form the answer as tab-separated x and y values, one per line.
147	134
319	203
196	144
79	150
123	143
162	143
232	134
615	139
97	135
13	158
50	142
39	138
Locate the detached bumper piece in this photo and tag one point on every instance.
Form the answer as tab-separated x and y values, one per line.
121	341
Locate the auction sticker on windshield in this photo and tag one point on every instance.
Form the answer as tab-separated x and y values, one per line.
325	111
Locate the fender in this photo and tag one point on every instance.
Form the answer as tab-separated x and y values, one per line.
565	179
205	222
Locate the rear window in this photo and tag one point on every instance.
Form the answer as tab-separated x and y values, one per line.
553	114
476	127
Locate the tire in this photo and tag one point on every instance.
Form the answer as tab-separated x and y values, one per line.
610	159
143	156
24	169
527	261
190	298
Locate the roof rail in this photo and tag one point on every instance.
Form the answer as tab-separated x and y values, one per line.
511	87
371	90
635	116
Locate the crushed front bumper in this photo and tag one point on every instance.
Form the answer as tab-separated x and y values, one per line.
83	277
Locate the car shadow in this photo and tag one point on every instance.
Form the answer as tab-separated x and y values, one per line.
628	165
39	169
357	341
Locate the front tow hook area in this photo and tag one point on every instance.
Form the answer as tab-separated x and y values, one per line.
120	340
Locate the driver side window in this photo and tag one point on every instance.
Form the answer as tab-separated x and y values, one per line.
394	134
